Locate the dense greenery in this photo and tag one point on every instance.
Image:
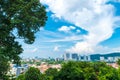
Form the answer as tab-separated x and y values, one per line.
4	67
118	62
82	71
19	19
50	73
21	77
32	74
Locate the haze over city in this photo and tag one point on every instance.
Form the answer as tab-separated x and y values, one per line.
77	26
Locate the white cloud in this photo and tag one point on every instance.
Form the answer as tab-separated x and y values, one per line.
56	48
94	16
84	47
78	31
104	50
50	36
116	49
41	28
72	27
68	39
34	50
30	49
66	28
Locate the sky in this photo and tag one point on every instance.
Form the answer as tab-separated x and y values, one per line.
77	26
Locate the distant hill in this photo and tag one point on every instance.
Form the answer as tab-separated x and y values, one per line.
95	57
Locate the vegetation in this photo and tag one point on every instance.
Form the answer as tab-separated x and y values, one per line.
81	71
32	74
21	77
50	73
118	62
4	67
19	19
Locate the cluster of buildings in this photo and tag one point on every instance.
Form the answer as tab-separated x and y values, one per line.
44	66
17	70
110	58
76	57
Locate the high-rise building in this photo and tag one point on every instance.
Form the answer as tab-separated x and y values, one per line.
111	57
76	57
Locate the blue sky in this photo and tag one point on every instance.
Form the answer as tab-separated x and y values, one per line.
77	26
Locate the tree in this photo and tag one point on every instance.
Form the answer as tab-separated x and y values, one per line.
21	77
70	71
87	71
118	62
51	73
108	73
4	67
32	74
19	19
75	71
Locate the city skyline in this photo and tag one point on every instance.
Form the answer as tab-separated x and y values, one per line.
77	26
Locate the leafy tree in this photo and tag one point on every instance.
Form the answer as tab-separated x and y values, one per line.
51	73
89	73
108	73
92	71
4	67
70	71
77	71
38	63
98	65
19	19
118	61
118	72
23	16
32	74
21	77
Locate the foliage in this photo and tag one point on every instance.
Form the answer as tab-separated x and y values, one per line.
78	71
23	17
21	77
87	71
32	74
4	67
19	19
51	73
70	71
38	63
118	62
45	77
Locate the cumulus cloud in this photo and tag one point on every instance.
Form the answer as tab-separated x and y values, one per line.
94	16
81	47
66	28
